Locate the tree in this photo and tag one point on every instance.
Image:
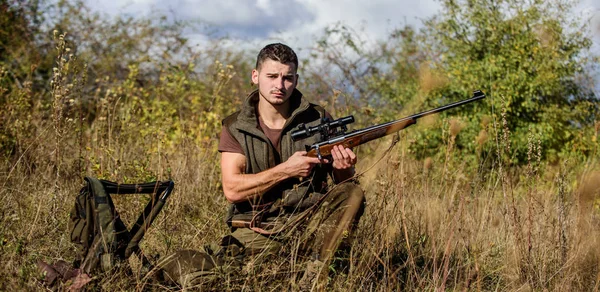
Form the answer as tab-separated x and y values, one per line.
66	68
19	60
528	59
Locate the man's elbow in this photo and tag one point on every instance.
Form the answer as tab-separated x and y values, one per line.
232	196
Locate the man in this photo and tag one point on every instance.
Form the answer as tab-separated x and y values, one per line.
278	194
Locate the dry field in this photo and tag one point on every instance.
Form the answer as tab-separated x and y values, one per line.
446	222
429	225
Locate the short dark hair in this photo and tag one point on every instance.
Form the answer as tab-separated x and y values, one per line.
277	52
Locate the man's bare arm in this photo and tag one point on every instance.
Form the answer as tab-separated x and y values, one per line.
239	187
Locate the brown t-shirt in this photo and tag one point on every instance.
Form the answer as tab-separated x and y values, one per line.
229	144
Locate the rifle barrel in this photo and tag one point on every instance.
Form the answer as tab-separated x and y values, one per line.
361	136
477	95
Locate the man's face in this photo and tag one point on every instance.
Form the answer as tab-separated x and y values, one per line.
276	81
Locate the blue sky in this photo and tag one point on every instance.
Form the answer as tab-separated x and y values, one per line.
295	22
298	23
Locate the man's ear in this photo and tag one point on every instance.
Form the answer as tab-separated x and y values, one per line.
297	78
255	76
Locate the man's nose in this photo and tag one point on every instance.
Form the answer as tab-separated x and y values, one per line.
279	82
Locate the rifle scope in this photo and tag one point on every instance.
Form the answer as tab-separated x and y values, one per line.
324	128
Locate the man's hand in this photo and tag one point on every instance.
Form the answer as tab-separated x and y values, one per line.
300	165
343	158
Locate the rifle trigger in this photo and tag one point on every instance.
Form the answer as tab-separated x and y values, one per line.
318	152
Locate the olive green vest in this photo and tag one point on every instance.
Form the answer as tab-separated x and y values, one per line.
262	155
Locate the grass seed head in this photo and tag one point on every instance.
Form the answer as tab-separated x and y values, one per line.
427	163
481	138
455	127
589	189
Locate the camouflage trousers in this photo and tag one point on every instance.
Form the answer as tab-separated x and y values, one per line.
317	234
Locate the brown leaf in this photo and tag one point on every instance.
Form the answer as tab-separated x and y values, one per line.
79	282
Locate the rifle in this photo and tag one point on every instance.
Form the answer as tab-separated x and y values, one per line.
334	132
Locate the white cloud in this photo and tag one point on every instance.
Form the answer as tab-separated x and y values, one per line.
236	18
374	19
299	22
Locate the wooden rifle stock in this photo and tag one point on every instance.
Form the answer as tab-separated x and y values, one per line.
358	137
354	139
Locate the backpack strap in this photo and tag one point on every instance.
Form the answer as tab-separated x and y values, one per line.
105	211
106	226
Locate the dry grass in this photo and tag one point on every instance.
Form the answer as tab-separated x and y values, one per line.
428	226
438	224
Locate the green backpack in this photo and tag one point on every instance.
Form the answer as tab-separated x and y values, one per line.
96	226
